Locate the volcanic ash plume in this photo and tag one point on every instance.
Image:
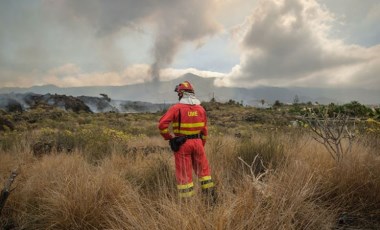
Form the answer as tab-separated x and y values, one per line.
175	22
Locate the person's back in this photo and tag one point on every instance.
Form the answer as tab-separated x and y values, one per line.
186	120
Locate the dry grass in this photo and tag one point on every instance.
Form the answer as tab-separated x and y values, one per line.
304	188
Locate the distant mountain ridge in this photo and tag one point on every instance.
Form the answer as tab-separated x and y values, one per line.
162	92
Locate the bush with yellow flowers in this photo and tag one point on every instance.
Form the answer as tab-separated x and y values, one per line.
373	126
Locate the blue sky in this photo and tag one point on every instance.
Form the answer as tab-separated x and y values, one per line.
241	42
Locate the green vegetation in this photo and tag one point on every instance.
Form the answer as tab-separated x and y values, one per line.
113	171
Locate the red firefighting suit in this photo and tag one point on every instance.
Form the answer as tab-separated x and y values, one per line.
191	155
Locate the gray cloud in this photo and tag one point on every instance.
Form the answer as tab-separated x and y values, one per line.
33	40
292	49
289	43
356	21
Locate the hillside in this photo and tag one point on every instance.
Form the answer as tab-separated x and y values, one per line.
19	102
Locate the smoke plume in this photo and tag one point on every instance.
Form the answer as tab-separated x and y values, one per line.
175	22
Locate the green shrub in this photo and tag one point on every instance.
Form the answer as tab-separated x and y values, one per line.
10	140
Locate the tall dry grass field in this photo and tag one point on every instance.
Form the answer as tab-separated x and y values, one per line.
133	185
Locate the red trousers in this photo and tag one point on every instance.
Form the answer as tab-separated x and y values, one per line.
191	156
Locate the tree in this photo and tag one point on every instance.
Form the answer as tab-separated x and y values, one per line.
332	131
105	96
296	100
354	108
262	102
213	98
277	103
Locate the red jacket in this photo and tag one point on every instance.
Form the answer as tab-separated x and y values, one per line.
193	121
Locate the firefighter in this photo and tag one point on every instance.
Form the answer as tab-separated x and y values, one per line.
189	124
